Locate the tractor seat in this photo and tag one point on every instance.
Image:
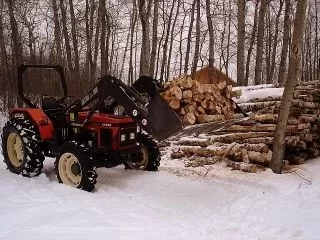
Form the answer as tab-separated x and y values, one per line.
50	104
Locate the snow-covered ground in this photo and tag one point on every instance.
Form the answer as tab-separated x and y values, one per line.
174	203
208	202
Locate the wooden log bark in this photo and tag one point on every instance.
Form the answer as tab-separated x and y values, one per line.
175	104
210	118
253	107
260	157
189	118
245	167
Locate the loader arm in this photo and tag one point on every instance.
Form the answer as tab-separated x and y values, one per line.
146	108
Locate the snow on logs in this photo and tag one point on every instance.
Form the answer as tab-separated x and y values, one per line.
200	103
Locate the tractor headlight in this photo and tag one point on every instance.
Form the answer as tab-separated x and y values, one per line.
122	137
132	136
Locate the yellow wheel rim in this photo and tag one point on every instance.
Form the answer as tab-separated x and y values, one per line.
69	169
15	149
144	161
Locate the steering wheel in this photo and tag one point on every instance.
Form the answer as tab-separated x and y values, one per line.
66	101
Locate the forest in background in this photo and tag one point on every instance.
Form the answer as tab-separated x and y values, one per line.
247	40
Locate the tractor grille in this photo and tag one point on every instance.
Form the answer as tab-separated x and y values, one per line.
106	138
128	136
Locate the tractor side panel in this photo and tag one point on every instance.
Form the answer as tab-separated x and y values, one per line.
38	117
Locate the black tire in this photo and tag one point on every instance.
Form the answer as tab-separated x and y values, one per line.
152	161
81	173
29	161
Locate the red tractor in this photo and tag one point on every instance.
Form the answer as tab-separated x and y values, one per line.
113	124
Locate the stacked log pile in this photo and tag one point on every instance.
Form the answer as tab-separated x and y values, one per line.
247	143
200	103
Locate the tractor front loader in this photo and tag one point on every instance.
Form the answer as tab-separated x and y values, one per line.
113	124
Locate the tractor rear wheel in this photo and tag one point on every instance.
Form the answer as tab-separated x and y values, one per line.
74	167
150	160
21	146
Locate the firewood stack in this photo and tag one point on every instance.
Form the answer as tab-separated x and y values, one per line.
200	103
250	142
302	141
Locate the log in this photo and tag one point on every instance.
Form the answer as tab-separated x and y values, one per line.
245	167
202	118
185	83
175	104
195	142
176	92
260	157
189	118
201	161
201	110
265	127
187	94
239	137
263	117
252	107
303	104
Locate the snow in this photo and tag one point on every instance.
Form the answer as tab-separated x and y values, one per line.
258	92
174	203
210	202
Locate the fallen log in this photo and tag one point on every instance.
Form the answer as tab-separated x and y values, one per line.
245	167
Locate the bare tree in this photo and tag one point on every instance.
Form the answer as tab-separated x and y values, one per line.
57	32
211	42
144	13
154	36
252	40
241	41
294	62
285	43
260	41
186	61
66	38
166	40
275	44
197	44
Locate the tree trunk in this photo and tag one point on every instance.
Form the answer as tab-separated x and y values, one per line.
186	60
241	41
211	42
154	37
75	48
172	40
294	65
133	21
96	45
144	13
17	44
197	45
285	43
166	40
57	33
275	43
253	36
4	71
66	38
103	47
260	41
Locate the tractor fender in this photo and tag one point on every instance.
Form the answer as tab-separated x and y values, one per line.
38	117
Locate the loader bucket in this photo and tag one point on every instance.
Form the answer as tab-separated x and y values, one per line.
163	120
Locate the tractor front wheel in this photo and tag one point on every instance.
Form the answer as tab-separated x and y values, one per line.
21	147
150	160
74	167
